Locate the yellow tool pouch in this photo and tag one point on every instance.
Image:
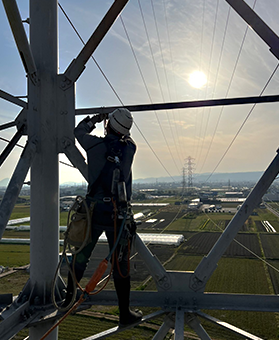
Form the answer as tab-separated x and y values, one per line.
78	232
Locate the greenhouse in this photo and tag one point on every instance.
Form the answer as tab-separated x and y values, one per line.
163	239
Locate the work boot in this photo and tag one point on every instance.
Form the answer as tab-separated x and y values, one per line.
126	316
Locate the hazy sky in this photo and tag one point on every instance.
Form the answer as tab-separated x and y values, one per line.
183	36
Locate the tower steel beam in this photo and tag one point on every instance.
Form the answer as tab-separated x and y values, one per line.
75	157
15	322
12	99
179	324
117	329
182	105
257	24
192	301
7	125
236	330
44	190
167	324
77	66
11	145
195	324
21	38
209	263
154	266
15	184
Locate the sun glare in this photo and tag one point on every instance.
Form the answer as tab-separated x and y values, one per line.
197	79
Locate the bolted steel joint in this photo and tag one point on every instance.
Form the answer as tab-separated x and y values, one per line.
65	83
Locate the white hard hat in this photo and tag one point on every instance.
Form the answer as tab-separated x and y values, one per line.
121	121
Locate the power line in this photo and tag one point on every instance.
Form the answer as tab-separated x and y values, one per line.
100	69
7	141
174	80
158	78
143	79
208	72
164	68
230	83
215	83
200	69
171	58
95	61
197	138
243	123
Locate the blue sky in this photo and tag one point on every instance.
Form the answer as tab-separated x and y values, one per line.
191	37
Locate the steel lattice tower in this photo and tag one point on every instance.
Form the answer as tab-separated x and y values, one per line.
183	181
190	168
47	118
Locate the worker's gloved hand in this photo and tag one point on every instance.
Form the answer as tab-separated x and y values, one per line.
98	118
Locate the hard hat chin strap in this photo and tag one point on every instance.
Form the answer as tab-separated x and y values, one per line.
105	126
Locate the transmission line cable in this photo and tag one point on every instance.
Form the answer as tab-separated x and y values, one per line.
8	141
208	72
144	82
174	81
243	123
197	138
95	61
114	91
157	75
215	82
164	68
230	83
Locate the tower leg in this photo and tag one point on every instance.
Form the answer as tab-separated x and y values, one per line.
42	122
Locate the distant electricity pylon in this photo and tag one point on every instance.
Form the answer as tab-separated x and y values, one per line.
183	181
190	168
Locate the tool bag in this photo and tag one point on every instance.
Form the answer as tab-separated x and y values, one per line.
78	232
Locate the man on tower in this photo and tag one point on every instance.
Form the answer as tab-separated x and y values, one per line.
110	160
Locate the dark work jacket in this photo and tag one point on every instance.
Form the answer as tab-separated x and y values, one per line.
97	151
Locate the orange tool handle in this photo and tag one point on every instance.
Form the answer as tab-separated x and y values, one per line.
96	277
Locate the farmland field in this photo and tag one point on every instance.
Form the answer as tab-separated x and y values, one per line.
259	227
201	243
238	271
81	326
14	255
266	215
270	242
234	276
20	211
274	274
161	221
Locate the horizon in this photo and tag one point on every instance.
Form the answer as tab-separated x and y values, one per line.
164	178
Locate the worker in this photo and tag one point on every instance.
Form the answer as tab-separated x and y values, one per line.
104	154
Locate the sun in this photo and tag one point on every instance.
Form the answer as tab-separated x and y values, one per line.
197	79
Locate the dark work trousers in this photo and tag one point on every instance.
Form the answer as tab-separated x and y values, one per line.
82	258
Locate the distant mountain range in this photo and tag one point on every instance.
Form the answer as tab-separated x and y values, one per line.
233	177
4	182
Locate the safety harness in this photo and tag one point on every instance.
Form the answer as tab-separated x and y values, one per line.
111	180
